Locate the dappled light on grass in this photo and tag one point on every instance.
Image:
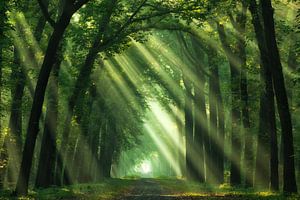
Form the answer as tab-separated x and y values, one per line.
119	189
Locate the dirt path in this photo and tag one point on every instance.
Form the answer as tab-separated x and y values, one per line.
152	189
146	189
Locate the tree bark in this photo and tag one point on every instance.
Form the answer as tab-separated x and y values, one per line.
200	115
15	120
18	77
84	176
3	24
36	110
200	128
94	142
241	47
236	149
80	87
46	166
189	135
267	123
216	118
221	127
108	145
48	152
4	151
289	178
214	155
83	80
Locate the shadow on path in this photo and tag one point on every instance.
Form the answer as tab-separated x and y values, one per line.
151	189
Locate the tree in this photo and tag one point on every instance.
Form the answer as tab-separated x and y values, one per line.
19	78
48	154
216	117
59	28
142	17
235	173
84	75
188	116
46	167
240	26
289	183
3	27
201	127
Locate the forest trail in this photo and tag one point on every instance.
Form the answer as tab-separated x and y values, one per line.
145	189
155	189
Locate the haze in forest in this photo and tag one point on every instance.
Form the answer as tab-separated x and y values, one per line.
149	99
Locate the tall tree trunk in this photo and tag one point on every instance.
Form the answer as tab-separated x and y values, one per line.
221	126
83	79
213	159
180	127
3	21
201	123
80	87
94	143
194	113
84	117
267	123
241	46
108	145
266	127
217	129
46	166
213	141
36	110
293	65
3	152
104	135
48	152
289	178
236	149
15	120
200	128
189	135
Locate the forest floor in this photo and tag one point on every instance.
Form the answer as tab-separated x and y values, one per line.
148	189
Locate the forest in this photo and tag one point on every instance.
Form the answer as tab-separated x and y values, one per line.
149	99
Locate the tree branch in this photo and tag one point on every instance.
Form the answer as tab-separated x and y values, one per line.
233	21
129	21
46	13
78	4
226	46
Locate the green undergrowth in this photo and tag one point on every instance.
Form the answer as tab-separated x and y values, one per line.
106	190
114	188
224	191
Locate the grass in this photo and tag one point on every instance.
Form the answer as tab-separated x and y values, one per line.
110	189
224	191
107	189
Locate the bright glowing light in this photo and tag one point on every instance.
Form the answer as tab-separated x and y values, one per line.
146	167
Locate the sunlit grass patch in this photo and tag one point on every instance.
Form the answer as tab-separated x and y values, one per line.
107	189
195	190
112	189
